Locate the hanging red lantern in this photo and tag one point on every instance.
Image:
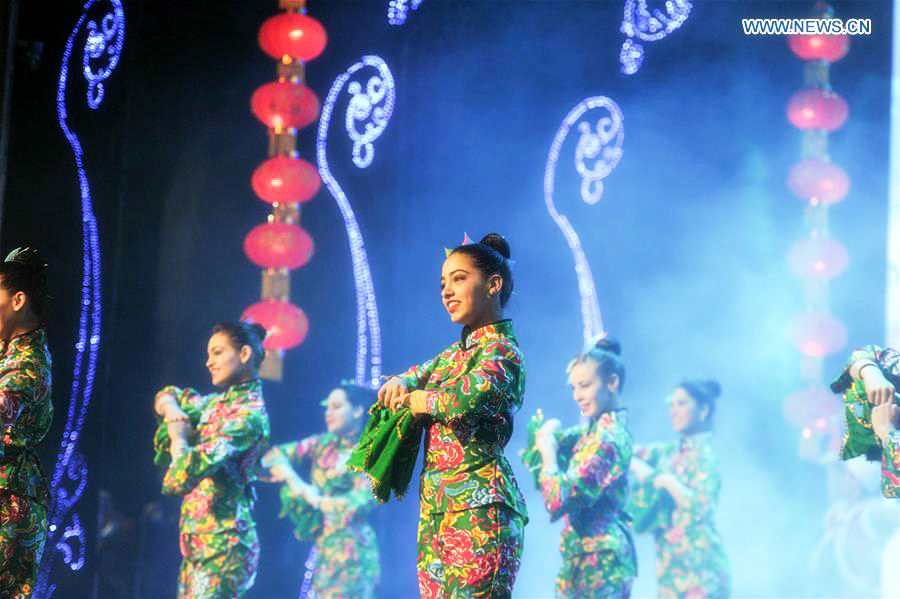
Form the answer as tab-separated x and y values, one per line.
282	104
816	108
285	180
817	334
278	245
813	407
285	323
818	258
290	34
820	179
820	46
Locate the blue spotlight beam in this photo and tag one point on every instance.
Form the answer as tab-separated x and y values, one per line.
370	107
100	55
647	25
603	147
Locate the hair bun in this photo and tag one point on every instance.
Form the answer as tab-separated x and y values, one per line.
704	390
608	343
496	241
259	330
712	387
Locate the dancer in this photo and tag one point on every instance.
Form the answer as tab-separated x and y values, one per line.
877	371
582	473
677	495
472	519
215	443
333	508
26	414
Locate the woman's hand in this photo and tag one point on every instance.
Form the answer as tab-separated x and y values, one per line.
884	420
640	469
878	389
551	427
415	401
546	442
280	471
391	392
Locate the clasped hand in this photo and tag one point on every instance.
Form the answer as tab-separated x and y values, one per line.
393	395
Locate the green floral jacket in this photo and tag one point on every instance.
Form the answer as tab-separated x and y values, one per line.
215	474
473	388
26	413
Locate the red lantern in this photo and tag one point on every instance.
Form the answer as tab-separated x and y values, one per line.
278	245
818	258
820	46
812	407
820	179
282	104
816	108
285	323
290	34
817	334
284	180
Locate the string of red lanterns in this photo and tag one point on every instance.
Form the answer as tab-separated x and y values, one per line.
817	111
284	180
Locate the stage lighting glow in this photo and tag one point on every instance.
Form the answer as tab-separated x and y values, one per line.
100	56
370	106
398	10
648	26
604	147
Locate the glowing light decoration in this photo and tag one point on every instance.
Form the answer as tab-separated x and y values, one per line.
647	25
398	10
299	37
817	334
375	104
286	324
605	147
820	179
65	533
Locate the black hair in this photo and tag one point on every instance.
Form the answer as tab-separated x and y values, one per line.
358	396
243	333
491	257
606	352
24	270
704	392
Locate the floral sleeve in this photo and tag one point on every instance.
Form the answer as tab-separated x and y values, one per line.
494	385
890	466
595	466
417	376
704	482
234	434
358	500
297	450
887	359
187	397
19	388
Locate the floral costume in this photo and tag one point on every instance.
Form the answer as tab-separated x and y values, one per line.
690	556
888	360
218	535
473	515
346	551
26	414
589	493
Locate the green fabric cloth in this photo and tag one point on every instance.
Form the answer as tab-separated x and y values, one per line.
162	442
307	519
860	439
532	457
387	451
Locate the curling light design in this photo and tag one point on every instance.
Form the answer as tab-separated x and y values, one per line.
604	147
641	23
100	56
398	10
372	108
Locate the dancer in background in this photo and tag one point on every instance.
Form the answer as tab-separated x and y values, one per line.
583	477
215	443
677	495
333	508
472	518
26	413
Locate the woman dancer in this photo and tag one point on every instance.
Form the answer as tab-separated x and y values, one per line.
584	479
472	519
333	508
215	443
26	414
680	483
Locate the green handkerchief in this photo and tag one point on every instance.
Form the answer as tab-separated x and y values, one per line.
859	438
387	451
530	454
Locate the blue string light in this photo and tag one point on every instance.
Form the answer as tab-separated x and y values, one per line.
648	26
604	147
65	533
398	10
372	107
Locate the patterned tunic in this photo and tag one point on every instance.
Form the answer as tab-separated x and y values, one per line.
347	562
26	414
218	535
473	388
888	360
590	494
690	556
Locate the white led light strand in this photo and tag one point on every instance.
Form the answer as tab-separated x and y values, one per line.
604	148
370	106
648	26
